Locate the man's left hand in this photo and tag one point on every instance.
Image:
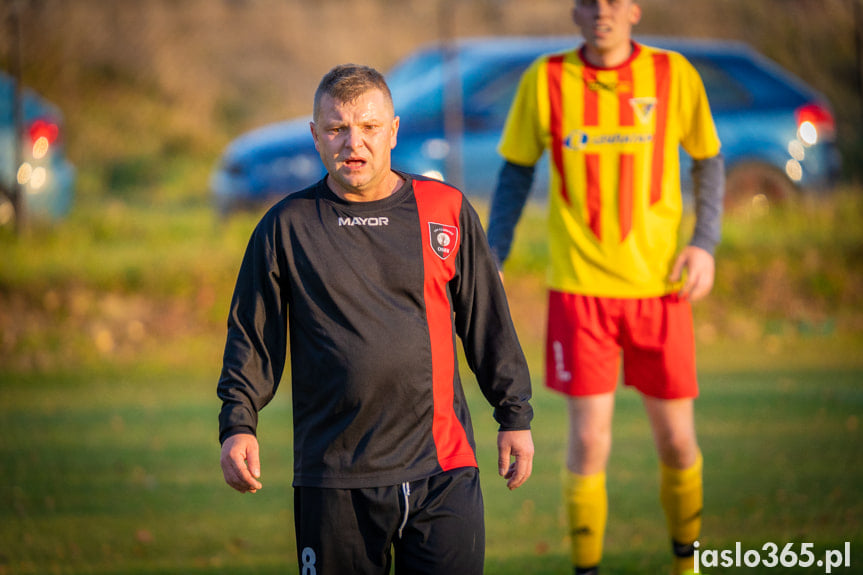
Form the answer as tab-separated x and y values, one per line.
517	445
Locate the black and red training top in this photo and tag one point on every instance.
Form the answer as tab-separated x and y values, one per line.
370	297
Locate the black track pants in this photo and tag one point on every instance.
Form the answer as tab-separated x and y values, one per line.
433	526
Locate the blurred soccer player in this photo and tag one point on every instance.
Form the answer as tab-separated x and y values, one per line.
612	114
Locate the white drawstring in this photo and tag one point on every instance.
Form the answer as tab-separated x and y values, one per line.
406	492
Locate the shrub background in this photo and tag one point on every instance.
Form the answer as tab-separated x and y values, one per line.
151	88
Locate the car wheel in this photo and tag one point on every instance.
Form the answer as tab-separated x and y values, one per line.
752	188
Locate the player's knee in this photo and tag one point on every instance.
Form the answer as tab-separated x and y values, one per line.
588	451
590	439
678	451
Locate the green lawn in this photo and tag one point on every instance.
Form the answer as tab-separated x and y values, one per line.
117	472
783	463
111	332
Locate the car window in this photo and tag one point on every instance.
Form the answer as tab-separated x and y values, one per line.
493	94
419	103
487	85
724	92
412	68
735	82
33	106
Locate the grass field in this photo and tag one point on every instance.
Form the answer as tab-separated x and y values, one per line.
111	329
118	473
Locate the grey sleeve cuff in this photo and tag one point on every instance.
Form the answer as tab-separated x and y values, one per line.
708	179
507	203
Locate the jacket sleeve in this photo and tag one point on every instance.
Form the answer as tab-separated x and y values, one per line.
484	324
255	350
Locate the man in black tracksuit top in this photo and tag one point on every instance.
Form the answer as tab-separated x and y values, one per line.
369	275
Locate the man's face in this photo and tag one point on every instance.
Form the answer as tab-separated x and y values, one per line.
354	140
606	24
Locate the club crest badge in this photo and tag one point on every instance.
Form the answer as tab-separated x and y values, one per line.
444	239
643	108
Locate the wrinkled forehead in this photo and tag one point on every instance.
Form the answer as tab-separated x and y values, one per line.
369	102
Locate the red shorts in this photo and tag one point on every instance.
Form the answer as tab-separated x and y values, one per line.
586	336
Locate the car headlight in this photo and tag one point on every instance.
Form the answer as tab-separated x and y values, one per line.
435	148
34	178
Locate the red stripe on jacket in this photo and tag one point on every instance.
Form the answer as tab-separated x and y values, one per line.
440	204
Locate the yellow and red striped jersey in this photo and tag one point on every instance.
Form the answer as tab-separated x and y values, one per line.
613	135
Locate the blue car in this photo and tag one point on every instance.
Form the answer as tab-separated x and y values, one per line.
778	134
41	168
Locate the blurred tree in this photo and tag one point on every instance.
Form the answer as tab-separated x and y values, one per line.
858	41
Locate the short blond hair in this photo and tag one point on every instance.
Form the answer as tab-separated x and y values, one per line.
347	82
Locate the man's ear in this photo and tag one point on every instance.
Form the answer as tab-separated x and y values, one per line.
394	133
635	13
314	135
574	14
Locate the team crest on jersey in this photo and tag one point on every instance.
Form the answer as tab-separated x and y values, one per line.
643	108
443	238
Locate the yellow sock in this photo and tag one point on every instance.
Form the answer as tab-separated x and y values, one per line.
586	502
683	565
682	496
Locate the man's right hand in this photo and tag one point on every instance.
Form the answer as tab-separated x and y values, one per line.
241	462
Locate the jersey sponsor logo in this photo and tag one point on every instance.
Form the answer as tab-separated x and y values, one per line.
620	86
643	108
579	140
373	221
443	238
576	140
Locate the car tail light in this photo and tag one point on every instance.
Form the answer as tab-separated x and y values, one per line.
814	123
43	134
40	136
